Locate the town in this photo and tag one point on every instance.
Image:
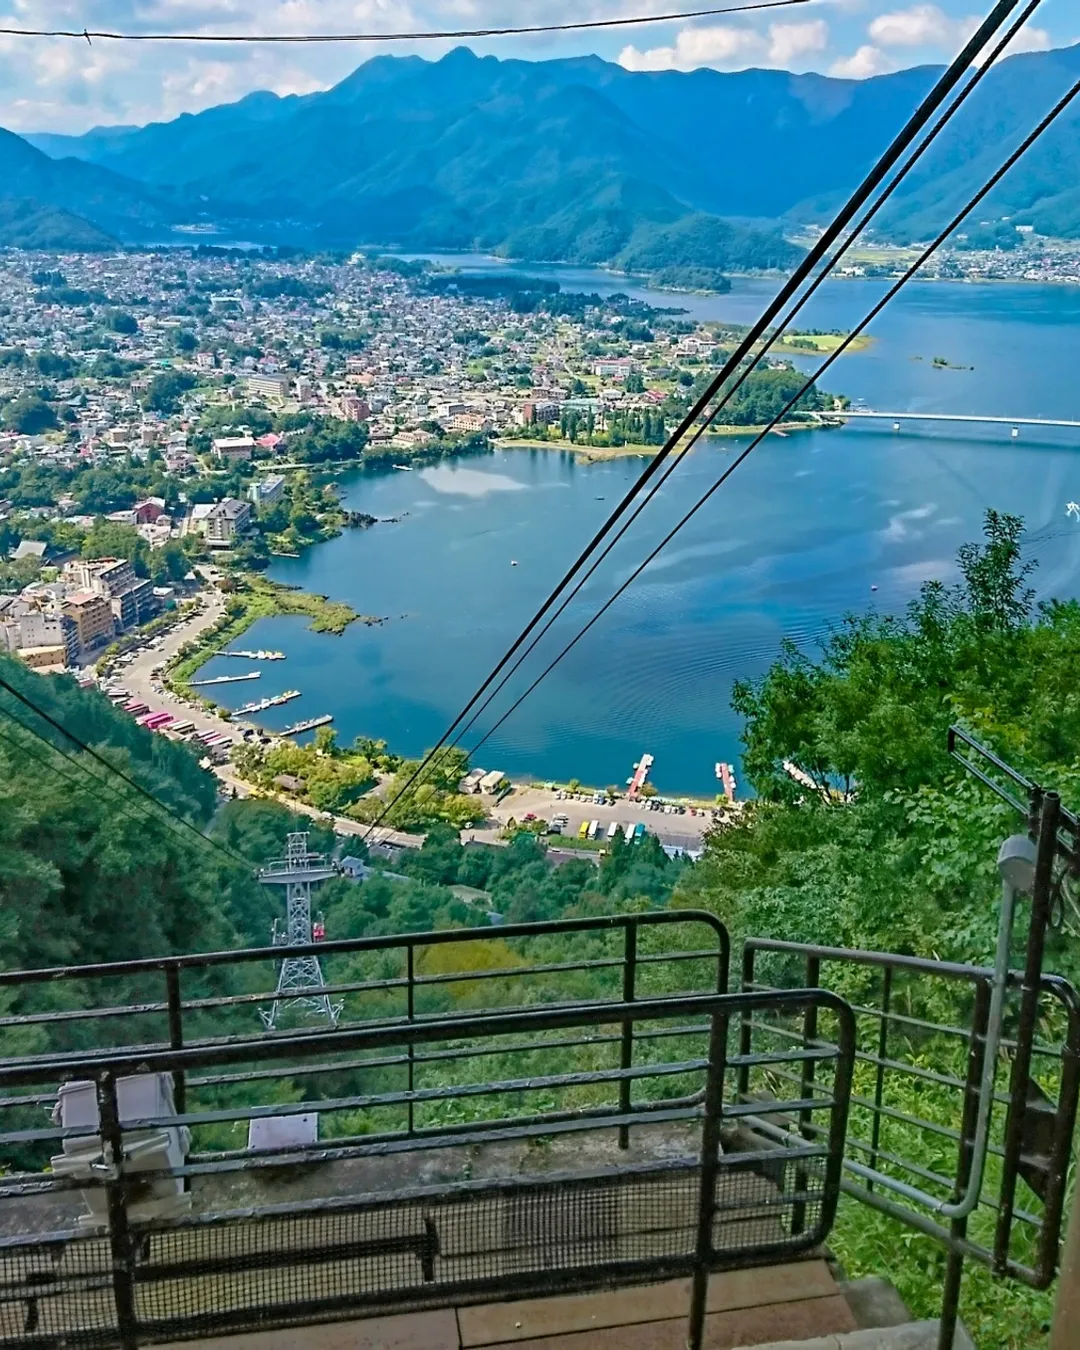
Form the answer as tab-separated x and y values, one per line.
164	410
161	409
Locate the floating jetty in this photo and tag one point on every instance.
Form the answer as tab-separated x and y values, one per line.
298	728
257	656
275	701
641	772
226	679
726	774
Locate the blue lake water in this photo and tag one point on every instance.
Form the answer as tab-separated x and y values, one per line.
797	538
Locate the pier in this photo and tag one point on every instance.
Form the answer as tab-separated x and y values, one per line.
226	679
274	701
257	656
312	723
726	775
641	773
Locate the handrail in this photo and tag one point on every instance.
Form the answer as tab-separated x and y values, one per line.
430	938
173	1006
680	1215
1054	1155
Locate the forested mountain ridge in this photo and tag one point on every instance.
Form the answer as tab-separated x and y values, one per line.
581	160
105	203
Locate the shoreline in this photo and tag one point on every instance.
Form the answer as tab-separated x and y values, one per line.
255	598
589	454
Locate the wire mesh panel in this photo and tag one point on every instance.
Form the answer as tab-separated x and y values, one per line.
560	1181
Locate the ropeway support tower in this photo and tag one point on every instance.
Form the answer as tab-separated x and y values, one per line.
300	979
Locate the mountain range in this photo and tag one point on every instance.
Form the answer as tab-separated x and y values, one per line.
573	160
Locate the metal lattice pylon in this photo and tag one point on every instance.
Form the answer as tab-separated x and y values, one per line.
300	979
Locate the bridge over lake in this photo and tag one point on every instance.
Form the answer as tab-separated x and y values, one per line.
897	418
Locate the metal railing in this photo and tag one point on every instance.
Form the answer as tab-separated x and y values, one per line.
921	1039
501	1175
212	998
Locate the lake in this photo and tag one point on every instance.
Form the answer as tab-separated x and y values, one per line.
797	538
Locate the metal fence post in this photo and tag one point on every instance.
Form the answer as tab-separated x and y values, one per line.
806	1116
745	1030
120	1244
710	1164
879	1085
1067	1300
176	1033
410	965
626	1058
954	1265
1030	991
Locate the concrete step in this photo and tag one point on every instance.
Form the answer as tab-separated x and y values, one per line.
911	1336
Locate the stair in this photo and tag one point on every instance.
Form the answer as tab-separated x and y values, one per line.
911	1336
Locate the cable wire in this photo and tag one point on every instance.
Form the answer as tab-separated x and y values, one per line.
919	119
127	808
930	249
111	768
90	34
749	366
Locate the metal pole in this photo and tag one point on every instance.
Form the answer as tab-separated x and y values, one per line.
1067	1301
806	1117
879	1085
744	1023
176	1033
1041	898
410	959
120	1245
710	1166
954	1266
626	1058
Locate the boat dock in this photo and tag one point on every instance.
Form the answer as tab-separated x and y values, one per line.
226	679
726	774
275	701
298	728
641	773
257	656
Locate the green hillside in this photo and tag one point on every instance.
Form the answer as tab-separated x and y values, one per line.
30	225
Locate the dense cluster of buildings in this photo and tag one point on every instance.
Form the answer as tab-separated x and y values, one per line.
55	624
348	342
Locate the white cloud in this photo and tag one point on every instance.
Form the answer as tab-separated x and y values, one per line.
862	64
726	47
920	26
789	41
930	26
68	86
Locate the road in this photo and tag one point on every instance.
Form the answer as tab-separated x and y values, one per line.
137	676
342	825
139	679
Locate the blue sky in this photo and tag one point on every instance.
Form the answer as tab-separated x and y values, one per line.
60	85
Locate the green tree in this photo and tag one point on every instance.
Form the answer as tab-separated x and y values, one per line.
167	389
119	321
29	415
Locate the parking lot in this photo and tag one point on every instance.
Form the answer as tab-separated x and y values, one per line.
683	829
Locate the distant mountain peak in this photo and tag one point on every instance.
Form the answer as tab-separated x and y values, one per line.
575	158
